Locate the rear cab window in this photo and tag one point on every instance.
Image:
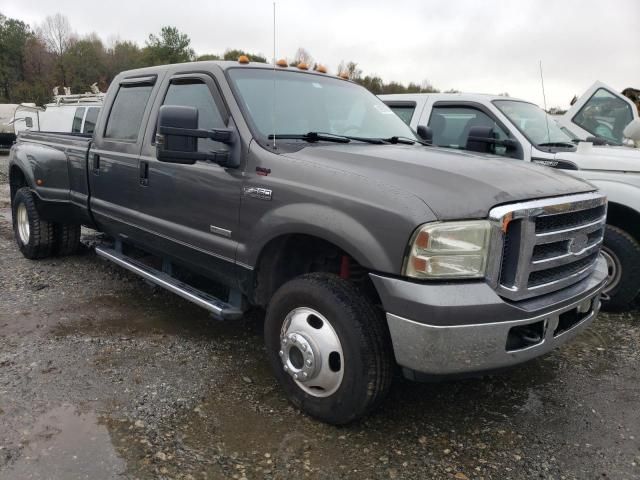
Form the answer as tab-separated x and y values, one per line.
77	120
90	120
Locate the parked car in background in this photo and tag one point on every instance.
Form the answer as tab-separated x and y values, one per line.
302	193
15	118
520	130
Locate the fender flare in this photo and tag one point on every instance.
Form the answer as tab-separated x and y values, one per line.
325	223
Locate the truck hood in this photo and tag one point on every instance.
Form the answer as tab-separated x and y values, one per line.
590	157
453	185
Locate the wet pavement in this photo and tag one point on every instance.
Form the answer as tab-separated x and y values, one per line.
103	376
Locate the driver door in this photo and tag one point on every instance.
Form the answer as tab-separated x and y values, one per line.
193	208
600	112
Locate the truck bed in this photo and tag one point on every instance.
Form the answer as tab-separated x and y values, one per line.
59	168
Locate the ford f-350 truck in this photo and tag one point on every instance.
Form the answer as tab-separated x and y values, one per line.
236	185
520	130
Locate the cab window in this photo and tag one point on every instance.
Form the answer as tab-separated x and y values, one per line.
404	111
77	120
125	118
90	120
195	93
604	115
451	126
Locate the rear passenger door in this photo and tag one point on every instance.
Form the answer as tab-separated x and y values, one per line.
113	158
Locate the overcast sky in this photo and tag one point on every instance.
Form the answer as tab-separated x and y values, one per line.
488	46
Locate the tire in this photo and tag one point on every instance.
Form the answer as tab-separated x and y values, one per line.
34	236
67	239
622	253
366	365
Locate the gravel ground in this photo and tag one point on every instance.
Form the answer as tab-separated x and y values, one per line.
103	376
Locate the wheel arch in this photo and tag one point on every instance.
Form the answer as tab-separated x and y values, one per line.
17	180
625	218
289	255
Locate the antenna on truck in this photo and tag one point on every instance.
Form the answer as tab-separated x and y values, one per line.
544	99
273	113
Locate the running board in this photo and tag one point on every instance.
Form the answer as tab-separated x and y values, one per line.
217	307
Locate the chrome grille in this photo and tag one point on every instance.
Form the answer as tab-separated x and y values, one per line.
544	245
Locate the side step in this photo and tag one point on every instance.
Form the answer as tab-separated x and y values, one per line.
217	307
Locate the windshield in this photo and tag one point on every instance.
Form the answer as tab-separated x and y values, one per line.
312	103
532	121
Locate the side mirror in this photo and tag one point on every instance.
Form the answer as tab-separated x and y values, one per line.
599	141
482	140
177	137
632	131
425	133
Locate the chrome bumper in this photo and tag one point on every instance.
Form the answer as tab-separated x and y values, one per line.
465	349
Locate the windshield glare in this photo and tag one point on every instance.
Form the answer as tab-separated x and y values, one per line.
313	103
532	121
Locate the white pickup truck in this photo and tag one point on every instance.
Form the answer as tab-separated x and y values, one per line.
523	131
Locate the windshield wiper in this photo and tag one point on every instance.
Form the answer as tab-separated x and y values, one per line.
311	137
557	144
405	141
325	137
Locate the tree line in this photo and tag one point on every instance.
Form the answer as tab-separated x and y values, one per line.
34	59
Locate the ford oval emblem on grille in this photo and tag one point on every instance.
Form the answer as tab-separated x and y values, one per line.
578	243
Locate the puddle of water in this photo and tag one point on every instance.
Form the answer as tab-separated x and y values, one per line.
64	443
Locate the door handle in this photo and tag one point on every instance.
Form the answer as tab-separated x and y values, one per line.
96	164
144	173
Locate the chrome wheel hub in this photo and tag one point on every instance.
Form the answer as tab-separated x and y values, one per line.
615	272
311	352
298	357
22	220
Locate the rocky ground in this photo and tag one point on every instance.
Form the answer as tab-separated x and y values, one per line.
103	376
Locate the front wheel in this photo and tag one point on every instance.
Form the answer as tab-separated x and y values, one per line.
622	253
329	347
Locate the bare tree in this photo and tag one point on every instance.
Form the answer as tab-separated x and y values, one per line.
351	69
56	34
302	56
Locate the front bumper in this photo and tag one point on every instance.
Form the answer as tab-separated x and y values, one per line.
445	340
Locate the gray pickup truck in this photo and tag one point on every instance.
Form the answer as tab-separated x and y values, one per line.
236	185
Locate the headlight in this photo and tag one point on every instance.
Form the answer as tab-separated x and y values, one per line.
449	250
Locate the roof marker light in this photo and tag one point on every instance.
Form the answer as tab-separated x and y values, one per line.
303	66
282	63
320	68
344	75
243	59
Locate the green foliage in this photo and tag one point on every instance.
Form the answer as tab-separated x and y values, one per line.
31	64
208	56
85	63
13	38
233	54
122	56
170	47
376	85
